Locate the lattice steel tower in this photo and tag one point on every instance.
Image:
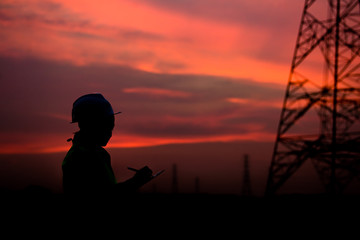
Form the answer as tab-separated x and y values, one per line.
324	84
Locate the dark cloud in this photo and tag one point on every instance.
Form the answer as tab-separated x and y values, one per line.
73	26
45	11
83	35
131	58
37	97
56	14
133	35
49	5
278	14
165	66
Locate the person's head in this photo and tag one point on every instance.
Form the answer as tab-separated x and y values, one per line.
95	118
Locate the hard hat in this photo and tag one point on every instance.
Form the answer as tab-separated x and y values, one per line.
91	106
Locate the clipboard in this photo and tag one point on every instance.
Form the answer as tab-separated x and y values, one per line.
153	176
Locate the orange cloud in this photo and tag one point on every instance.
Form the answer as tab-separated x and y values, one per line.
157	92
141	36
140	141
256	102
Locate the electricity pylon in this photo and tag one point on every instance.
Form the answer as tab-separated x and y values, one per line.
321	110
175	179
246	188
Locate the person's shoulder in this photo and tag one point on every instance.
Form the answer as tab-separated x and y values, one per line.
103	152
77	154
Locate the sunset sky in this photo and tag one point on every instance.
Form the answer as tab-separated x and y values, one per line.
181	71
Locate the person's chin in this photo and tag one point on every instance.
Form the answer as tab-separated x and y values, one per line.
104	143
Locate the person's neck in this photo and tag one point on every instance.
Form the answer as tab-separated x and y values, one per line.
85	138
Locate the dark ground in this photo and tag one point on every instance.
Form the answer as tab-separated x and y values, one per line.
35	198
37	212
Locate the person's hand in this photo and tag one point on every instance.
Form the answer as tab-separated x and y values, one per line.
143	175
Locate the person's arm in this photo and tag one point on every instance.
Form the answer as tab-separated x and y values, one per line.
141	177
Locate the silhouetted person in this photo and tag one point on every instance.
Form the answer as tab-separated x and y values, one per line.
87	168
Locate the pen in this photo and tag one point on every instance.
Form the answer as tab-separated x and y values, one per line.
133	169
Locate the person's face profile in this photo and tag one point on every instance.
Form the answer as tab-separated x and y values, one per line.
106	126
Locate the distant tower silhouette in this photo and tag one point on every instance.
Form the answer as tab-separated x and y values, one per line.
175	180
246	189
197	185
330	93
